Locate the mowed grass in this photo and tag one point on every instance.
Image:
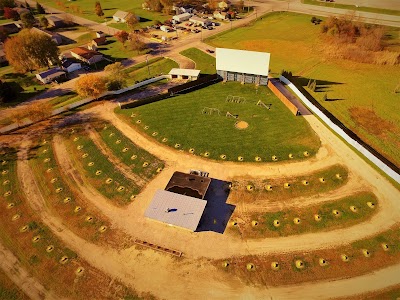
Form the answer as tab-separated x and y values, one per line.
204	62
129	153
154	67
181	120
9	290
109	9
347	84
99	171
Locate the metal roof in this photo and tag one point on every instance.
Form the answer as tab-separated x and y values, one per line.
240	61
175	209
184	72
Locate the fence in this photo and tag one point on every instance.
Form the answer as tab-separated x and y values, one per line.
196	84
63	109
274	87
370	153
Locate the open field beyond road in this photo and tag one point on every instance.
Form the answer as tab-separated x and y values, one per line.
349	85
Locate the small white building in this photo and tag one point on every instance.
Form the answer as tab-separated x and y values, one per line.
165	28
186	74
121	16
200	21
50	75
100	34
71	66
182	17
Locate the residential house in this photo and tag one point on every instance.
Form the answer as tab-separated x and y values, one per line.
185	74
187	9
50	75
3	58
165	28
122	16
202	22
86	55
100	34
99	41
55	21
53	35
70	65
10	28
221	15
182	17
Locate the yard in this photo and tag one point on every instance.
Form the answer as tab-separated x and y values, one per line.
197	122
85	9
204	62
356	91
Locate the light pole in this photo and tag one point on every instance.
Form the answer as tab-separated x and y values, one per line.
147	62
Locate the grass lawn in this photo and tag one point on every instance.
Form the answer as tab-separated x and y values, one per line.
109	9
353	7
350	86
181	121
156	66
204	62
64	100
8	289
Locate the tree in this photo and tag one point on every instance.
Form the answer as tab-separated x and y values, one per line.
7	3
91	85
116	76
28	20
40	9
132	22
240	6
136	43
166	6
3	34
98	10
44	22
154	5
122	36
10	13
30	50
27	5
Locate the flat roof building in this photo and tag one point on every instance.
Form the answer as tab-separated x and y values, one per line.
176	209
190	74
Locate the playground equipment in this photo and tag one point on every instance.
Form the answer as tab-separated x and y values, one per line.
210	111
235	99
262	104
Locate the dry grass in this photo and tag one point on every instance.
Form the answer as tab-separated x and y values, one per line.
289	274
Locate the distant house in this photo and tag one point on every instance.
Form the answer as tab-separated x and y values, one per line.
122	16
187	9
221	15
100	34
10	28
165	28
55	21
50	75
54	36
70	65
86	55
182	17
200	21
223	5
99	41
3	58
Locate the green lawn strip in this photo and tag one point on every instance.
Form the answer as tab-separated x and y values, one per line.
353	7
271	132
346	81
69	98
306	185
118	188
328	220
133	156
142	71
65	202
109	9
9	290
204	62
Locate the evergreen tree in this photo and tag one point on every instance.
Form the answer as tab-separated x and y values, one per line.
39	9
98	10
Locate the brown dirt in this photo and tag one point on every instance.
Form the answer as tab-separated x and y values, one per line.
241	125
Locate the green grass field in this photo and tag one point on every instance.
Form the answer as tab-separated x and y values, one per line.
156	66
349	85
204	62
270	132
109	9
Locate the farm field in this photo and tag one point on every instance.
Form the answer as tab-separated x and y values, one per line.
204	62
186	122
356	91
109	8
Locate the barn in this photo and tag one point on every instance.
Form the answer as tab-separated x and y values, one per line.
243	66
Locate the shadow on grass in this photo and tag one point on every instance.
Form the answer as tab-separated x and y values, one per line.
217	213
